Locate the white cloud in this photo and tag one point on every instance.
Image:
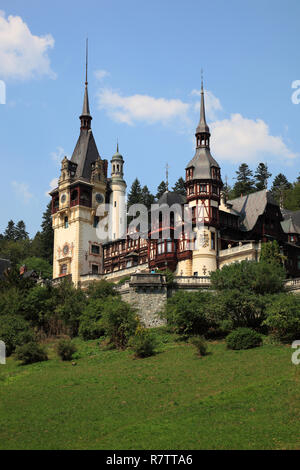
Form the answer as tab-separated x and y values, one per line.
22	190
100	74
240	139
52	185
58	155
138	108
22	54
212	103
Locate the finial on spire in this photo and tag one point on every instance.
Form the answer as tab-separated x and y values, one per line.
117	146
202	126
167	176
86	61
85	117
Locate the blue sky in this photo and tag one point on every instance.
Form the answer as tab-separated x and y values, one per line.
145	61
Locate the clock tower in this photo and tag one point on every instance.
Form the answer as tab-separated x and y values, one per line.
82	186
203	185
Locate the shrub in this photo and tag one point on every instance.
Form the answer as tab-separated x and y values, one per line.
11	301
243	338
90	327
119	321
260	278
101	290
200	344
143	343
71	303
65	349
283	316
14	331
186	312
30	353
39	306
237	308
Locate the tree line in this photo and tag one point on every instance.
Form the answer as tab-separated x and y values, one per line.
285	193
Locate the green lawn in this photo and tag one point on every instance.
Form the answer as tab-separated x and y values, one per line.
174	400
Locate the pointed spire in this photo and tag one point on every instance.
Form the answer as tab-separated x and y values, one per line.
86	116
167	177
202	126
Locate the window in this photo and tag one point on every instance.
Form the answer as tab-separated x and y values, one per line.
213	241
94	268
169	246
96	221
95	249
63	269
196	273
66	223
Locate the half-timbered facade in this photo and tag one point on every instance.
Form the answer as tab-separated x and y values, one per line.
218	232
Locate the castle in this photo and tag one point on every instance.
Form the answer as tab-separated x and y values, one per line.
231	230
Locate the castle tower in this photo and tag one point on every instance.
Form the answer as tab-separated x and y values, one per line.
203	185
82	187
117	197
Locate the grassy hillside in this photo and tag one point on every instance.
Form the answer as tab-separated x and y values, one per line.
173	400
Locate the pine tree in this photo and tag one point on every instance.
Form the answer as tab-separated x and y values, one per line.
245	183
10	231
47	235
20	231
279	188
179	186
161	189
135	194
147	197
261	176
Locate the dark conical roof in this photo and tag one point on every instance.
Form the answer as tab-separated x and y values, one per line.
171	197
202	163
85	153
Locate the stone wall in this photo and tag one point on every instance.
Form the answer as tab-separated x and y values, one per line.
148	293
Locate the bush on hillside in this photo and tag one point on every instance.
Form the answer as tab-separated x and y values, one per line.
186	312
200	345
30	353
70	305
14	331
243	338
90	326
143	343
283	316
65	349
260	278
101	290
119	321
39	306
235	308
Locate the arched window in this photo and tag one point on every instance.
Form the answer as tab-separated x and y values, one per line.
66	222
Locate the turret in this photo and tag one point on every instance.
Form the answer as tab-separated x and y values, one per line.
117	197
